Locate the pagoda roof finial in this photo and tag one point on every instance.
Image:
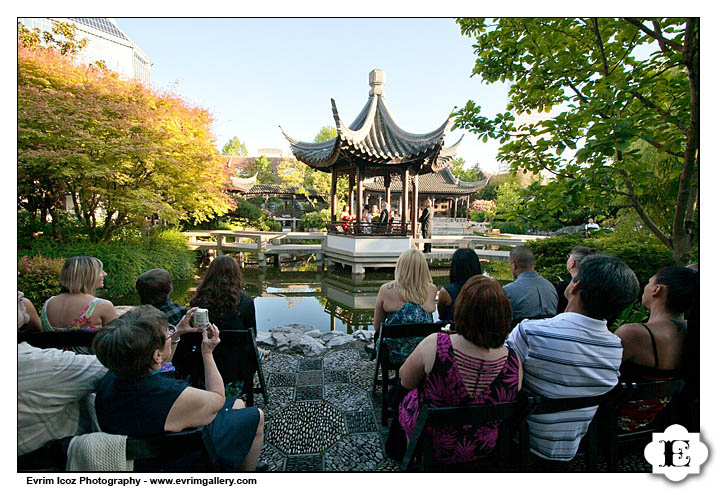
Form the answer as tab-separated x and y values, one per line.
376	82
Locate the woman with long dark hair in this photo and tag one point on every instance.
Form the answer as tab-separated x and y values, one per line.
464	265
221	291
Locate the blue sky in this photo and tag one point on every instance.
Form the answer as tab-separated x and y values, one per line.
256	74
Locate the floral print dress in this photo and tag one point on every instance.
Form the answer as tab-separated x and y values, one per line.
444	387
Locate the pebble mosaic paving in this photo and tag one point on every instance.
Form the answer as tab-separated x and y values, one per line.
322	416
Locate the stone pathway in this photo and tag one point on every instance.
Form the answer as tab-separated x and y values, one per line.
322	416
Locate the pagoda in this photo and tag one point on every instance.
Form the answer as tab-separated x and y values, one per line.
375	147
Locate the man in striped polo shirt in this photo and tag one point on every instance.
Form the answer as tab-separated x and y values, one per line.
574	354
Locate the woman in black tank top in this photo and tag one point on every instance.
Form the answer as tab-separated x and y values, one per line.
464	264
654	350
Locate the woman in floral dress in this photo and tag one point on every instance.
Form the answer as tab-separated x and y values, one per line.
467	368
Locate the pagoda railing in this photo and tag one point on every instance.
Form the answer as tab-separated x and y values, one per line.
369	229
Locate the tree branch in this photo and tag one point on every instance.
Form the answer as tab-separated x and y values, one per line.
659	110
663	43
594	24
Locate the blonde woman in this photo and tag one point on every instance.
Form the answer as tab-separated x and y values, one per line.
410	298
76	307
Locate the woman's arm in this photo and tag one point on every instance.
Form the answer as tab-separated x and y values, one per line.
379	314
630	335
34	323
193	408
212	378
181	328
443	304
106	311
414	369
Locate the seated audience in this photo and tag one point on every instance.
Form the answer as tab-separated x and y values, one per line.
134	399
531	295
76	307
464	264
470	367
52	392
574	260
654	350
33	324
345	216
574	354
154	288
410	298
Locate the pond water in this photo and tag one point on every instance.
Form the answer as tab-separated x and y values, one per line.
326	300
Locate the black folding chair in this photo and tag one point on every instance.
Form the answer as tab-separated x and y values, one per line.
396	331
546	405
237	359
607	417
57	339
169	446
509	415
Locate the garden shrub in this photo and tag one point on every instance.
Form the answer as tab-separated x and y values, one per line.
644	255
38	278
123	260
316	219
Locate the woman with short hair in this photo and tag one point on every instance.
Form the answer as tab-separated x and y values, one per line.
135	399
76	307
470	367
464	264
410	298
654	350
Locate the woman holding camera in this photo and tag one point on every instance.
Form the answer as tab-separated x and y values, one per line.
135	399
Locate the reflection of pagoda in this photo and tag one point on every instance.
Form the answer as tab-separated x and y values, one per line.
351	302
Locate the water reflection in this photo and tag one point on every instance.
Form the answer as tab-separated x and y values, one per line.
327	301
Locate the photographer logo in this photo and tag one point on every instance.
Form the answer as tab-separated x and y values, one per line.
676	453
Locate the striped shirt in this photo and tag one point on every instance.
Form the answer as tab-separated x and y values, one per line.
569	355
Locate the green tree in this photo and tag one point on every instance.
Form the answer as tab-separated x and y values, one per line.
508	199
120	151
234	147
471	174
263	168
325	133
616	82
66	42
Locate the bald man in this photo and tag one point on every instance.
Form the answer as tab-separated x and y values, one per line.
530	295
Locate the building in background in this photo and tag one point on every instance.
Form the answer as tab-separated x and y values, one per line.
105	42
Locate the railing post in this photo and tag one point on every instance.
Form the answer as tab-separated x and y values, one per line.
220	242
261	259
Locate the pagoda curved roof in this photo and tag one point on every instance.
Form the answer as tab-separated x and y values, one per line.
375	139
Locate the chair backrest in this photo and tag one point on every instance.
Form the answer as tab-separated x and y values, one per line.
547	405
57	339
657	389
512	413
170	445
236	356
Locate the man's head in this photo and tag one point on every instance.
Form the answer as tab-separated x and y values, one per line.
603	287
154	286
590	220
521	259
427	203
578	254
